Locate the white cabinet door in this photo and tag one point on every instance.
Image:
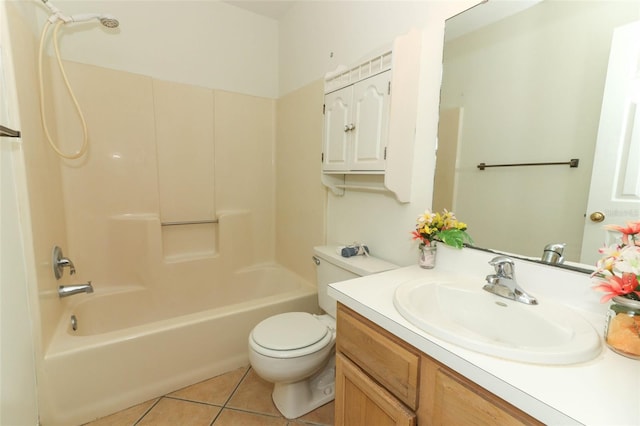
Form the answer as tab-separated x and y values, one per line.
337	117
370	116
355	126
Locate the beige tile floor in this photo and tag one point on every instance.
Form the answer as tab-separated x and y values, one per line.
237	398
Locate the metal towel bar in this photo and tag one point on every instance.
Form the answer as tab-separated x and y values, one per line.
9	133
189	222
572	163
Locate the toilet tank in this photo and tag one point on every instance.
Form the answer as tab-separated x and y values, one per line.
331	267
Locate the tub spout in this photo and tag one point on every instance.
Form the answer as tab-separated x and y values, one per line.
69	290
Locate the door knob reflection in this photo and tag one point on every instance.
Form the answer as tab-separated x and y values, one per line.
596	217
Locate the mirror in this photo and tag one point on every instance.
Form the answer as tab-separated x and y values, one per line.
523	86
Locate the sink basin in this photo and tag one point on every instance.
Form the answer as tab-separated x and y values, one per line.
465	315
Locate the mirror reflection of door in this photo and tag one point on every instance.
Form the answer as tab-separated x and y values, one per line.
615	182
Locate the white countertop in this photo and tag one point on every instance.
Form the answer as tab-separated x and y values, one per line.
604	391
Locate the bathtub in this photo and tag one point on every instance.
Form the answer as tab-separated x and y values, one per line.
132	344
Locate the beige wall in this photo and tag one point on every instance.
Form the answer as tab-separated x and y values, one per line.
300	197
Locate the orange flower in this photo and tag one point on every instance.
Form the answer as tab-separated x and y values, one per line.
618	286
631	229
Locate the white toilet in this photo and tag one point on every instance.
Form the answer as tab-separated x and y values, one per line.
295	350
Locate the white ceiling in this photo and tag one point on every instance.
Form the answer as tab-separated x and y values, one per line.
269	8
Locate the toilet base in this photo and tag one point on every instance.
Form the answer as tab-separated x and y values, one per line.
299	398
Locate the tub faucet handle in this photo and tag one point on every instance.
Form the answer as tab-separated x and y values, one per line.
59	262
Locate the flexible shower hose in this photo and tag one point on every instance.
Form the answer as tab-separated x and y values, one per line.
84	146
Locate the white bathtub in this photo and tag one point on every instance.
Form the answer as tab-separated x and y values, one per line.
133	344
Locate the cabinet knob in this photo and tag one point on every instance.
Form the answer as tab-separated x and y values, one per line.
349	127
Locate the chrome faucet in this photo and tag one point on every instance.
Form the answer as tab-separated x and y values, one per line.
59	261
503	283
69	290
553	253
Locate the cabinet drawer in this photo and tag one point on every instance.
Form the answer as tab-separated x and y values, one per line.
391	362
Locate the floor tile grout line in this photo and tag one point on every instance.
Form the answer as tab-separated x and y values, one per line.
194	401
147	412
235	389
258	413
224	406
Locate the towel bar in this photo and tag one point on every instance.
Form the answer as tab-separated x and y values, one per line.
572	163
9	133
189	222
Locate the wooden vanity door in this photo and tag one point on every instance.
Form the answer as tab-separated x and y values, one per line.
450	399
360	401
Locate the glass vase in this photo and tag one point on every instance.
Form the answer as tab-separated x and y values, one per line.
428	256
622	330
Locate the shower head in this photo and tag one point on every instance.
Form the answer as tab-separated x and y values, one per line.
106	20
109	21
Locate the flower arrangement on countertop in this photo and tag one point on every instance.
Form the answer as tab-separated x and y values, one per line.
442	227
619	268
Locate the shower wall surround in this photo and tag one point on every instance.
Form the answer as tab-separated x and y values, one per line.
180	152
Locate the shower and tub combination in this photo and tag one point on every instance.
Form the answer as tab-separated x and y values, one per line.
116	348
162	317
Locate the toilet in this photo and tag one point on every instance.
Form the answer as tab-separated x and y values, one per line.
296	350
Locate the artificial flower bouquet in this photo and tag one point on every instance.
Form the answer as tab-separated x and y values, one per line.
618	270
444	227
617	276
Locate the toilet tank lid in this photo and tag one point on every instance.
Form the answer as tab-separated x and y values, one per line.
359	265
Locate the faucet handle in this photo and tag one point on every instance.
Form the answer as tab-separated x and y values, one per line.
58	262
503	265
553	253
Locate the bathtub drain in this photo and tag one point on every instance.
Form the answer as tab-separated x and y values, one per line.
74	323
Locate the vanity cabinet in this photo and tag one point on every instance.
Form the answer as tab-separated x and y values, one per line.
382	380
356	121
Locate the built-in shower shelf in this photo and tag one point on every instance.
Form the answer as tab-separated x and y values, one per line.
190	257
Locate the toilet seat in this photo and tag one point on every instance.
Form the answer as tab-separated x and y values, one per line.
290	335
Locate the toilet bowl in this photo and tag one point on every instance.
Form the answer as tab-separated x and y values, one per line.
293	351
296	350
